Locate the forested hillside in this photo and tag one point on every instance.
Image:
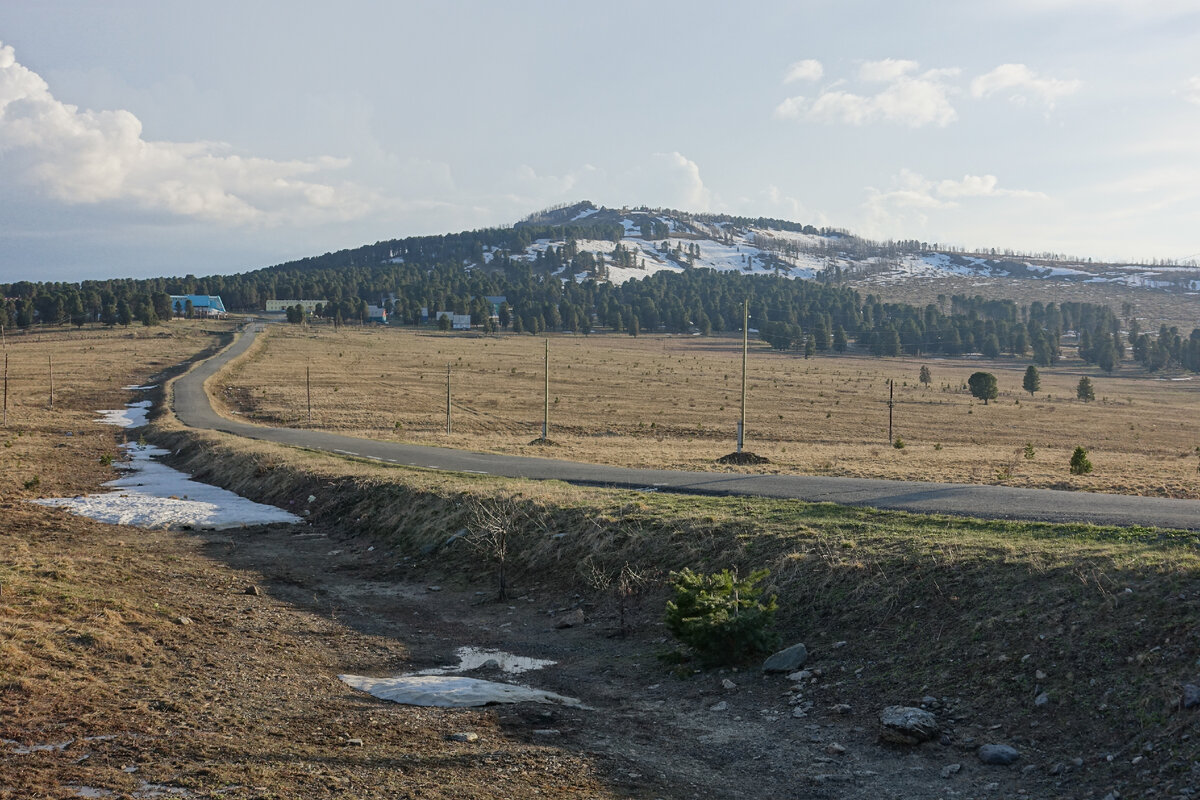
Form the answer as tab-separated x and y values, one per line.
553	282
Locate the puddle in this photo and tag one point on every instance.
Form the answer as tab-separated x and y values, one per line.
19	749
451	691
152	495
147	790
470	658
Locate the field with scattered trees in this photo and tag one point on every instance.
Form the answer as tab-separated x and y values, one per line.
673	401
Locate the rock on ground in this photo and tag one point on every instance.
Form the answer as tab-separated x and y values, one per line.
788	660
907	725
998	754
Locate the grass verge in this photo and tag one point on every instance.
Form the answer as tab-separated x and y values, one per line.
1070	641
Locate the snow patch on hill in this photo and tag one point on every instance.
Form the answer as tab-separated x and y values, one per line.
729	246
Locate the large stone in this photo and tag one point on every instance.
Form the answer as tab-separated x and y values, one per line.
1191	695
788	660
906	725
998	754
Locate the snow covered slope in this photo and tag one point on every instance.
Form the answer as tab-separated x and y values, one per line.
670	240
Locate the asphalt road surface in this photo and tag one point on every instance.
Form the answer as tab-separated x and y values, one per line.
193	408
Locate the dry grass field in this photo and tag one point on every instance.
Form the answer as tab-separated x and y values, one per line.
1151	307
89	368
672	401
104	687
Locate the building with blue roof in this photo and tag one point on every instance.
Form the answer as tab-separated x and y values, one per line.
203	305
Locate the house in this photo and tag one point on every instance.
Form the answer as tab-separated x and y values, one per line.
458	322
204	306
495	301
376	314
281	306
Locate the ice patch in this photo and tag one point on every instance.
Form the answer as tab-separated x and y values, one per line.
133	415
470	658
23	750
152	495
141	388
451	691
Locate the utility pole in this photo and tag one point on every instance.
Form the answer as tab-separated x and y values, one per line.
447	398
50	361
308	390
891	405
741	431
546	408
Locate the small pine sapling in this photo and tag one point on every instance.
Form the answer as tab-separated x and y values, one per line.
723	618
1080	465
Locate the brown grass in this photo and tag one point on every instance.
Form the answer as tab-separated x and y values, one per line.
244	702
241	702
672	401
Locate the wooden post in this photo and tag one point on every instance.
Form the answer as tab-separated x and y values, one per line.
448	428
6	390
891	405
50	361
308	391
546	410
741	433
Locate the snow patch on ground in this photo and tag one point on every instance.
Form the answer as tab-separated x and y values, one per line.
133	415
470	658
152	495
438	686
451	691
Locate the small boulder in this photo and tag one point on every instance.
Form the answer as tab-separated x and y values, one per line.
1000	755
469	736
907	725
253	590
571	619
1191	695
788	660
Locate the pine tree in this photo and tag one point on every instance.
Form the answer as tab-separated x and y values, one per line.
926	377
1084	390
1032	381
983	385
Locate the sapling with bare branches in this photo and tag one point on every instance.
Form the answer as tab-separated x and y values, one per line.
492	531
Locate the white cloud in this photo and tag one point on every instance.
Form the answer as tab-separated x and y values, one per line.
909	97
790	108
920	98
1191	90
889	69
91	157
784	206
913	101
908	204
807	70
680	177
1023	84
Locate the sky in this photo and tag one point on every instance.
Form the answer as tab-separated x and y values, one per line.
164	138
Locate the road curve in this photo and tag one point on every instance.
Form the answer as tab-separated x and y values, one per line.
193	408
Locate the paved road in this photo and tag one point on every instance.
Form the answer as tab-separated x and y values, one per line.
192	406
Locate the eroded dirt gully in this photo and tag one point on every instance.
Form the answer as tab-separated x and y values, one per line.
648	732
